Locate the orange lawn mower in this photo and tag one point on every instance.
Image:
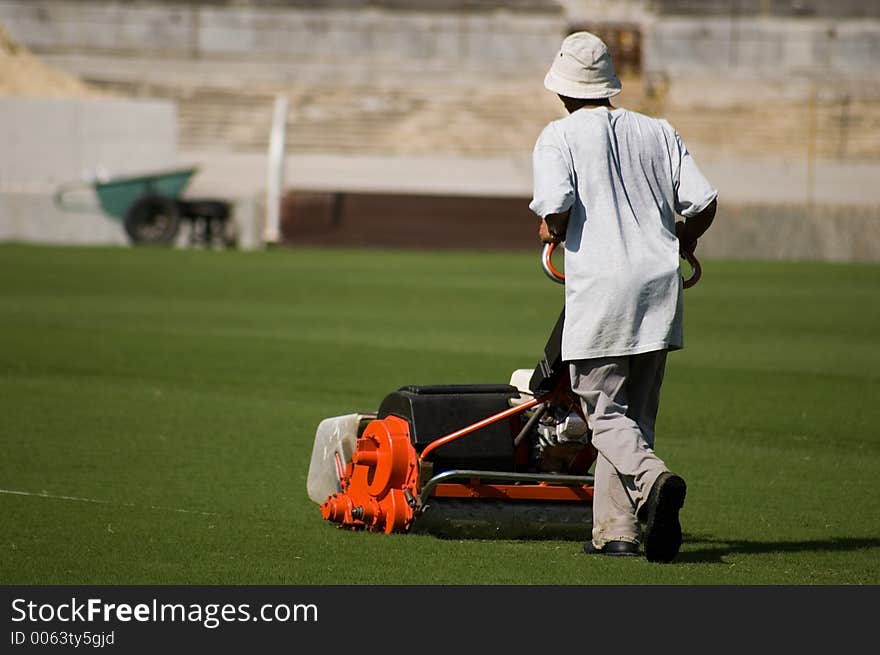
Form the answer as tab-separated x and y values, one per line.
503	461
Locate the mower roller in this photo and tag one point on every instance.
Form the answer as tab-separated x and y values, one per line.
497	461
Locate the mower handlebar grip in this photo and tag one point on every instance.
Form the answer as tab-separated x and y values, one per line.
547	264
556	276
696	269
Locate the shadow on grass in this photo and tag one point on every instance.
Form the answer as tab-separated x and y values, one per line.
717	549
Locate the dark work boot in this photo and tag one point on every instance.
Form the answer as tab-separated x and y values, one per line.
662	533
612	548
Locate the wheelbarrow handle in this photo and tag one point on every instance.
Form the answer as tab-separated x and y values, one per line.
62	202
556	276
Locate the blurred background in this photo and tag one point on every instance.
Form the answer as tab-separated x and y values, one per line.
410	123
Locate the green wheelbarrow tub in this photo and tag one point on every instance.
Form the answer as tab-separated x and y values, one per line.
116	196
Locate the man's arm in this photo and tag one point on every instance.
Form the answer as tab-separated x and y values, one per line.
553	227
691	229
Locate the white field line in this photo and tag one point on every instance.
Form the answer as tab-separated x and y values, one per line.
12	492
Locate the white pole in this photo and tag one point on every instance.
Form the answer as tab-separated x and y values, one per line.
811	144
275	181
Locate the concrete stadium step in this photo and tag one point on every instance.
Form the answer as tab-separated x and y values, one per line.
418	120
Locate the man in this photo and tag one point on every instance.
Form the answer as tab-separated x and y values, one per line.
609	182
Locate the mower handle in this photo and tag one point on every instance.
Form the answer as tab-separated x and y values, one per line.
547	263
696	268
556	276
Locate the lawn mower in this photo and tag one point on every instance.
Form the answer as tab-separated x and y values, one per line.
507	461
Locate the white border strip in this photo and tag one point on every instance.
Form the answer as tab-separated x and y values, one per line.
13	492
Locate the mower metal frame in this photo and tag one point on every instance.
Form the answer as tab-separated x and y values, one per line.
500	476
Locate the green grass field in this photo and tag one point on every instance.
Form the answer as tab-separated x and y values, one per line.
158	410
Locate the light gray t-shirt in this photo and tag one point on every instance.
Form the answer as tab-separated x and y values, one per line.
624	176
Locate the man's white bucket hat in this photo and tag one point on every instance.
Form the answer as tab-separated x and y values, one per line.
582	69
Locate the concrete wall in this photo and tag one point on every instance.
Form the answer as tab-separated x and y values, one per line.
394	220
348	38
760	47
45	143
831	233
346	42
617	11
787	8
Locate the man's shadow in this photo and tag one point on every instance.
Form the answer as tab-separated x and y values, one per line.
715	549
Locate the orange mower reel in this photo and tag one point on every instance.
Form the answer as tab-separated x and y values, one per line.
379	485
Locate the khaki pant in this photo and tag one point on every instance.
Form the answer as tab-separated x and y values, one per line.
620	397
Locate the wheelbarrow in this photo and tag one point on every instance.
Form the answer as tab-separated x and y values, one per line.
149	206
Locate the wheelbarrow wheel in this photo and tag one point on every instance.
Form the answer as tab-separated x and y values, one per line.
152	219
